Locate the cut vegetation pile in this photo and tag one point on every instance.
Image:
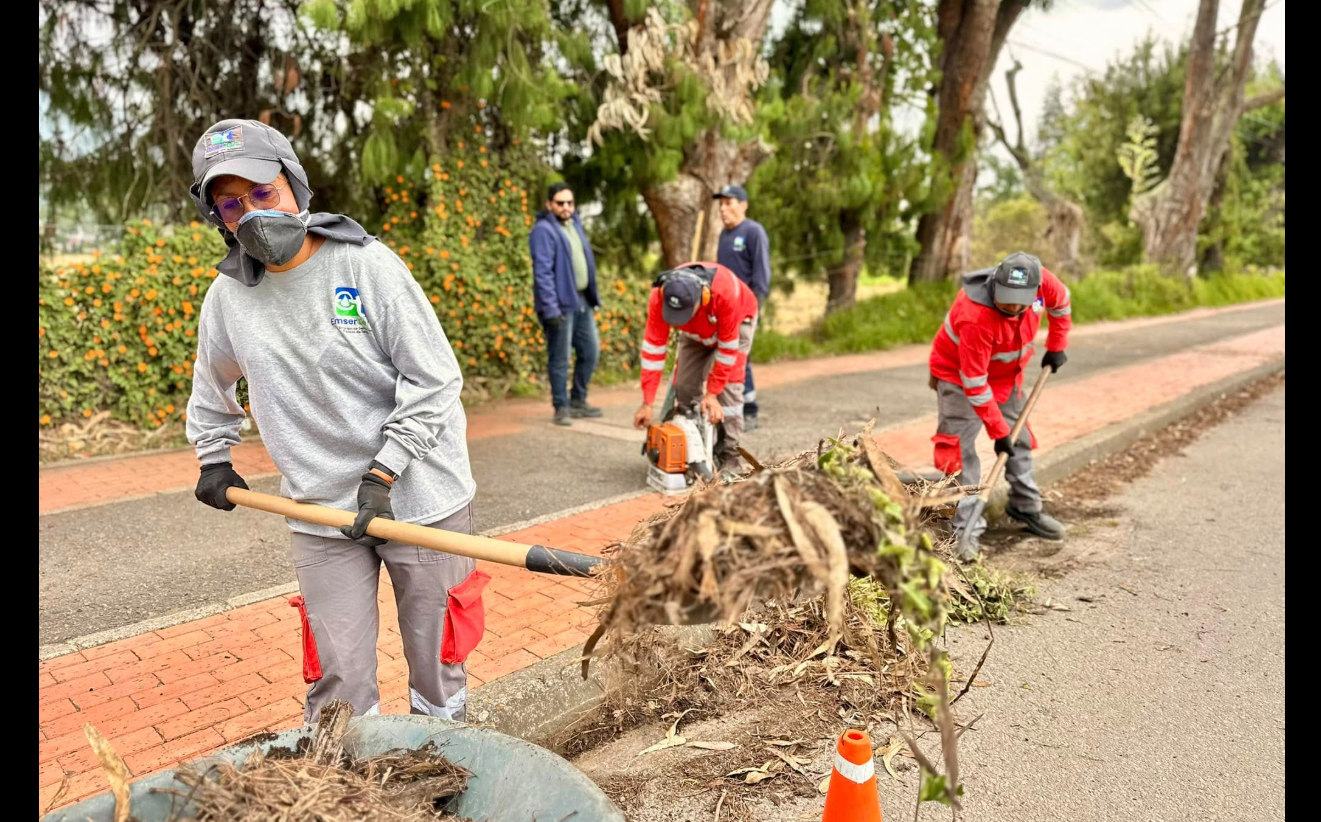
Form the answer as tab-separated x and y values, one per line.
836	592
315	782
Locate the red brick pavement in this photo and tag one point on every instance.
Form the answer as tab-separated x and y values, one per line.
183	691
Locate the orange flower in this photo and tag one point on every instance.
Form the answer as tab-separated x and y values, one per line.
45	419
142	366
68	301
435	298
459	163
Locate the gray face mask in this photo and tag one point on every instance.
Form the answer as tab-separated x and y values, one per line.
272	237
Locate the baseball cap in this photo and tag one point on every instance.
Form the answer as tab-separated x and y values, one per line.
249	149
1017	279
243	148
733	191
680	294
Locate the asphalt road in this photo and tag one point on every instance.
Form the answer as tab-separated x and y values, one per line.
1163	699
114	565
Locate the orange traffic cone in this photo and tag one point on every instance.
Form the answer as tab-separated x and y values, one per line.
852	795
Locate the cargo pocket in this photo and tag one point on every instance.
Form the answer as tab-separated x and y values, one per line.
311	660
1032	438
948	454
465	618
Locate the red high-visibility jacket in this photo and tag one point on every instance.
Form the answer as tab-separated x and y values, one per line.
716	325
985	351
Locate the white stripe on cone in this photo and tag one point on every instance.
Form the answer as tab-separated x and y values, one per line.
852	772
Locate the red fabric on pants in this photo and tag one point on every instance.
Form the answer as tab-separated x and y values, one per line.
311	661
465	618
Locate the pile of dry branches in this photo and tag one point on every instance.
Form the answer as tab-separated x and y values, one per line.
789	533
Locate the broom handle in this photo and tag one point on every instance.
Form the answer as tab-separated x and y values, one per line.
1001	459
536	558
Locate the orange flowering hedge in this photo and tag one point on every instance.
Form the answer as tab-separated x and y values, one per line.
463	231
119	333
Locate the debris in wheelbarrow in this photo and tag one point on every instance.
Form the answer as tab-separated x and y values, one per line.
319	782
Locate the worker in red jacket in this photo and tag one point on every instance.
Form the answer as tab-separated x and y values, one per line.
977	362
716	316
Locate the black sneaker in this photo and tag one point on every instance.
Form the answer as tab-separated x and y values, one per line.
562	417
1039	523
582	409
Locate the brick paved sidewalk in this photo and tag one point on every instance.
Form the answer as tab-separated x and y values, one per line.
184	691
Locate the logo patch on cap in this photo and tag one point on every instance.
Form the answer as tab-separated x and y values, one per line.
231	139
1018	277
675	302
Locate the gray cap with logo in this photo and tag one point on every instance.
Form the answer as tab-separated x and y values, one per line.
249	149
1017	279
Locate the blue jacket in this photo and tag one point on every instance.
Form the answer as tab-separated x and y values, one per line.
554	287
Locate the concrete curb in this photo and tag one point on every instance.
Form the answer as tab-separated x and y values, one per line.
1073	456
539	701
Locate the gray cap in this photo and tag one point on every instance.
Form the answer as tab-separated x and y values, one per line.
1017	279
733	192
249	149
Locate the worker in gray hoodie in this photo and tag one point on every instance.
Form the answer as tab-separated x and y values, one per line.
356	391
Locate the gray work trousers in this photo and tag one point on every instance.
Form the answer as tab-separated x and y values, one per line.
957	432
693	361
338	580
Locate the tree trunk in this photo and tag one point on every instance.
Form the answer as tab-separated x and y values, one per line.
711	161
674	204
1213	259
972	32
1170	213
1065	219
843	276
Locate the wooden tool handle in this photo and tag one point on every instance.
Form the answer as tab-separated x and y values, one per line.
537	558
697	233
1001	459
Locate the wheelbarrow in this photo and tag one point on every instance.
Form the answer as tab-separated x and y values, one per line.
511	779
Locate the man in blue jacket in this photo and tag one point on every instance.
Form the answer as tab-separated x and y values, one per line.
564	279
745	250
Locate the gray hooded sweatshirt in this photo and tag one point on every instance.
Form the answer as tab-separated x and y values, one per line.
346	363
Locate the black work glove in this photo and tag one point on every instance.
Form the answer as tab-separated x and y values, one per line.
373	501
1053	360
1004	446
211	486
